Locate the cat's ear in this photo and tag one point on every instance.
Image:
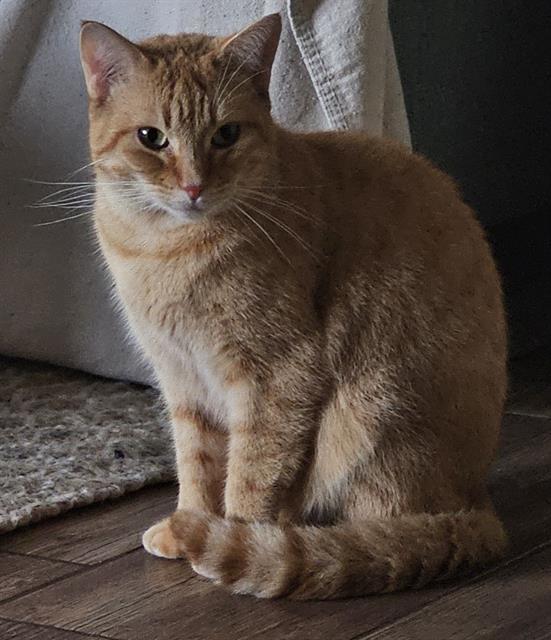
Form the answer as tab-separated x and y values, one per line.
107	59
255	47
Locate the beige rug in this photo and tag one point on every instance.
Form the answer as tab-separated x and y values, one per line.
68	439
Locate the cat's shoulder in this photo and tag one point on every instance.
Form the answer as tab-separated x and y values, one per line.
361	145
375	154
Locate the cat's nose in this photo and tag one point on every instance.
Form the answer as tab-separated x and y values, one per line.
193	191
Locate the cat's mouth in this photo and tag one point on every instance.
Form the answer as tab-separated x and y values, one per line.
194	205
193	212
183	210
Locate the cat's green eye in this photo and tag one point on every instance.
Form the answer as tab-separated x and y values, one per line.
227	135
152	138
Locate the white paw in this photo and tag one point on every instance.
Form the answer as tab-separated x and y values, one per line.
205	572
159	541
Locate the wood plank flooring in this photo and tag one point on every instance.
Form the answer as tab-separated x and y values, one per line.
84	575
95	533
10	630
20	574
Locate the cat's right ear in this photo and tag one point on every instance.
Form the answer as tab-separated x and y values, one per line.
107	59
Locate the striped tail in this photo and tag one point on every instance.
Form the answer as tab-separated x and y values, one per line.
349	559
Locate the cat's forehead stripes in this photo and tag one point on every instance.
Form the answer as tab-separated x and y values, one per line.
183	81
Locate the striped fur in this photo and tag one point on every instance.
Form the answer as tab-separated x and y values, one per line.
344	560
327	331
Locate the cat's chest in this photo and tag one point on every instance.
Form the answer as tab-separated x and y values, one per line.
182	331
167	299
193	378
192	366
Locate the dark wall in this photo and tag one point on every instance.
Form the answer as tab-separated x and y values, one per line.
477	84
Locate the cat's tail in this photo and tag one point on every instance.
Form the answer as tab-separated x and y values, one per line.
349	559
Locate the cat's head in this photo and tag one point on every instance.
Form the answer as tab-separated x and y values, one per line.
180	124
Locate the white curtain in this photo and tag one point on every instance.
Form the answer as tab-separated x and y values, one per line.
335	69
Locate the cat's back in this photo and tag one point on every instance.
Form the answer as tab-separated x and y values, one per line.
377	193
355	162
402	235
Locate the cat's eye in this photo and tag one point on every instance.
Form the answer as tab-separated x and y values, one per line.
152	138
227	135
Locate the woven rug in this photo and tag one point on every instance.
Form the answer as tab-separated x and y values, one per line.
68	439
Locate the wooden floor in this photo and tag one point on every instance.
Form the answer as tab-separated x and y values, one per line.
84	575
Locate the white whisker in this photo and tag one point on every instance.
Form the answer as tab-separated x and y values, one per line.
68	199
90	183
45	224
70	207
281	202
234	89
287	187
257	224
76	189
286	228
221	101
219	84
232	76
286	205
86	166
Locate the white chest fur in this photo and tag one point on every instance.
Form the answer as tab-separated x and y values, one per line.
189	367
192	368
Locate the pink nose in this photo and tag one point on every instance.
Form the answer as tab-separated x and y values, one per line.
193	190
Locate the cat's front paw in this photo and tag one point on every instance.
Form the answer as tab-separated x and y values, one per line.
159	540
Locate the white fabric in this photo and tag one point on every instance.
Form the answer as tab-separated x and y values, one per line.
335	69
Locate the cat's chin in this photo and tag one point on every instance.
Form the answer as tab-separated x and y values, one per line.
194	214
186	214
191	216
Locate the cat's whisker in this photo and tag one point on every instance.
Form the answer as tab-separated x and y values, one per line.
66	219
65	206
234	89
67	199
228	82
283	227
141	203
227	92
90	183
266	198
128	192
86	166
67	191
290	187
80	195
78	187
262	229
56	183
222	78
275	198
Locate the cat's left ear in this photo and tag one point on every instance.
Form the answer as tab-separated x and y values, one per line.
255	47
107	59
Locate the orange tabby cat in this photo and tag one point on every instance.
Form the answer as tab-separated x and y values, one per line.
323	315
